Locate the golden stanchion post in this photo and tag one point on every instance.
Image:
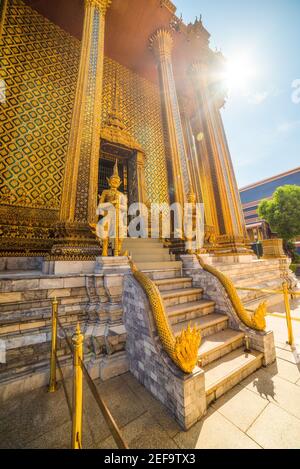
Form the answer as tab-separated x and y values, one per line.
288	312
77	340
52	381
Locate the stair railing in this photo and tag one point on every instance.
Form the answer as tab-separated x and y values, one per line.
287	293
255	319
183	349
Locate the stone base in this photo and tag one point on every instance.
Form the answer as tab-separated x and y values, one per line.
107	265
8	264
68	267
273	249
231	245
24	383
231	259
113	365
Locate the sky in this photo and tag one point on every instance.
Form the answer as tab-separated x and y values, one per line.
261	41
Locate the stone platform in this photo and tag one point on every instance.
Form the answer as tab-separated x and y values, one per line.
92	299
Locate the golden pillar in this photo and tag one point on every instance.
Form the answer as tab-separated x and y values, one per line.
192	156
162	45
79	199
219	188
3	10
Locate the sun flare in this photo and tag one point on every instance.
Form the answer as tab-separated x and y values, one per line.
240	70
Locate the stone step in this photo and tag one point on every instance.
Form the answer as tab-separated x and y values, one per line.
161	267
248	296
217	345
142	241
210	324
151	257
181	296
148	249
253	267
231	369
174	283
250	279
272	300
189	311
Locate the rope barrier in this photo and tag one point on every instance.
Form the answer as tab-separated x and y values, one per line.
75	409
104	409
286	292
66	337
64	386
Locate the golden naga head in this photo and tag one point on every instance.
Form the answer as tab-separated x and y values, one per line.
187	348
115	181
259	317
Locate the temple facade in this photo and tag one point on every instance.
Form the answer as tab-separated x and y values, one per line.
87	84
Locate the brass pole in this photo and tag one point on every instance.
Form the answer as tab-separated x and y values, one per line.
77	340
52	381
288	313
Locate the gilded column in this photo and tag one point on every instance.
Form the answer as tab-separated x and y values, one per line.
78	208
192	158
3	10
219	187
162	45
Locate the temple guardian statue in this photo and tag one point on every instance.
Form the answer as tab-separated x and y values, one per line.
113	211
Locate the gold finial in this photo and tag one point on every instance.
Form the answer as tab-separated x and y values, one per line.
116	172
114	181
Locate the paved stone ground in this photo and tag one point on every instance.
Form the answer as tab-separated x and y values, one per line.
261	412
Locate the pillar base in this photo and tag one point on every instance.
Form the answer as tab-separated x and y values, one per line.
273	249
75	241
231	246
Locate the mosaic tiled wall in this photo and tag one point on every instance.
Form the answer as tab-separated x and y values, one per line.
39	63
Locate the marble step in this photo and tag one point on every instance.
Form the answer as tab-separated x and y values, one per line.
189	311
228	371
160	270
151	257
250	279
271	299
248	297
174	283
240	269
142	241
217	345
181	296
147	249
210	324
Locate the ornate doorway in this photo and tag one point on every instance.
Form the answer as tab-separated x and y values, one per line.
106	166
118	143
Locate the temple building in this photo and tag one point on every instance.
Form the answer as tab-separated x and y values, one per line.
88	84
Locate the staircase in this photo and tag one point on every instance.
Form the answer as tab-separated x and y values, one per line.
221	353
260	273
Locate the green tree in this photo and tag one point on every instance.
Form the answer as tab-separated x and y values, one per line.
282	212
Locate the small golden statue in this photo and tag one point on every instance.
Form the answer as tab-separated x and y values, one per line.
113	207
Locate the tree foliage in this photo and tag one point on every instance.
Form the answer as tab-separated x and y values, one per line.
282	212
